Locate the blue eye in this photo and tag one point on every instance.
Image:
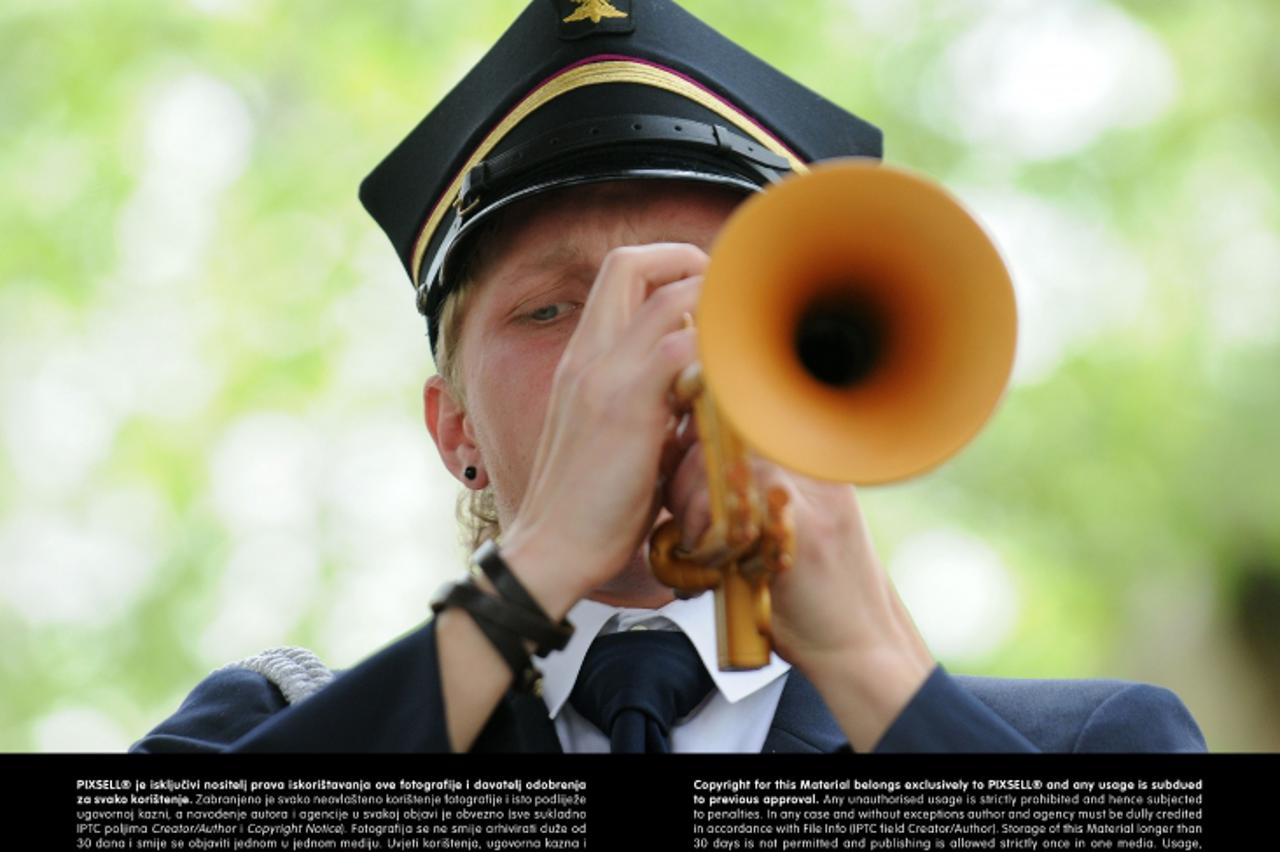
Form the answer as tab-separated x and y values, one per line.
547	313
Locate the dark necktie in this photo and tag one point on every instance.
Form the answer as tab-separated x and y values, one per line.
634	684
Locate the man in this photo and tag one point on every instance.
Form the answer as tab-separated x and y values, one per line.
554	213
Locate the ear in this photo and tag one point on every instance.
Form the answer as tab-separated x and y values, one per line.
447	422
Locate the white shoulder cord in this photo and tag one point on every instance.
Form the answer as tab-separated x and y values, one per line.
296	672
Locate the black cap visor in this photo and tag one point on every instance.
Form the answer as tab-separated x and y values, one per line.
688	146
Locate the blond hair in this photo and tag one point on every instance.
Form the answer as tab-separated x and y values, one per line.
476	510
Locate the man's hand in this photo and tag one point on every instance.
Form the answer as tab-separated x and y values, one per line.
836	616
592	495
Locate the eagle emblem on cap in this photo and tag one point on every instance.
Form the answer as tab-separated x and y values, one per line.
595	11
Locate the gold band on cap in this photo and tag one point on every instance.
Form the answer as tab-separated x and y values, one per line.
592	74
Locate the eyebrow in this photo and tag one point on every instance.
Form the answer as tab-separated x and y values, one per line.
555	256
570	257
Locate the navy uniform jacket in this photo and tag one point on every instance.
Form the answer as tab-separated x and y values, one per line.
392	702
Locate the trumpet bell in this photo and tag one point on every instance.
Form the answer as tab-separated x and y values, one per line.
856	323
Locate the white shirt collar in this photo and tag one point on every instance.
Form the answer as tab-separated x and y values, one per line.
694	617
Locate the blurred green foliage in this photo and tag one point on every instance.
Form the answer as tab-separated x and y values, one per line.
210	363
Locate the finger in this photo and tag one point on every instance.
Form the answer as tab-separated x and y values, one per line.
673	446
651	377
686	495
663	312
687	433
627	277
688	476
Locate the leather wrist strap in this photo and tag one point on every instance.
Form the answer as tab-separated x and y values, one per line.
488	614
521	624
548	635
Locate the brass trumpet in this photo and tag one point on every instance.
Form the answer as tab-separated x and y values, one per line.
856	324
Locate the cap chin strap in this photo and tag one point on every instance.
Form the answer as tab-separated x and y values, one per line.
596	136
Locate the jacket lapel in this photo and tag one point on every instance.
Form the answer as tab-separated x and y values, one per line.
519	724
802	722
